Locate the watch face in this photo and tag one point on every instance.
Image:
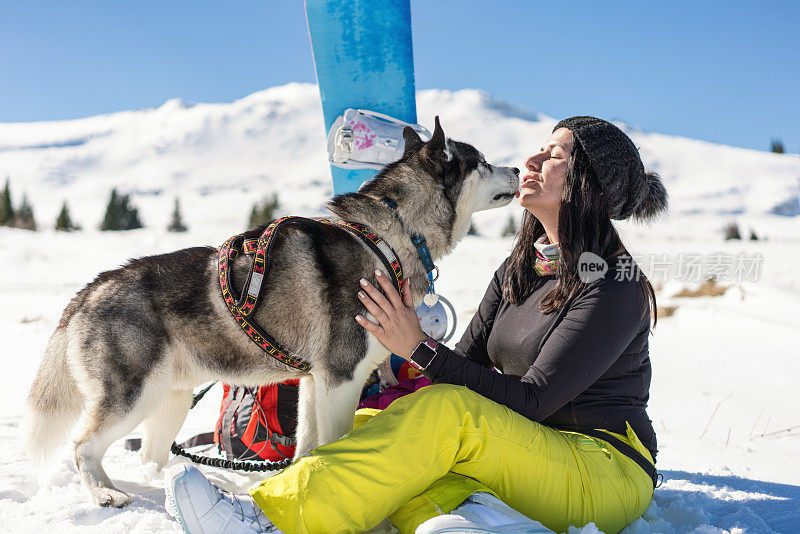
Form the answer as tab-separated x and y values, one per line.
424	354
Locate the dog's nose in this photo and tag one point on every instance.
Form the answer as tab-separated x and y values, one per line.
515	170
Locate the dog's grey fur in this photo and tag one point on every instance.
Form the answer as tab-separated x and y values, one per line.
132	344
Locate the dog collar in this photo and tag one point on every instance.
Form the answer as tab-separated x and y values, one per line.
419	243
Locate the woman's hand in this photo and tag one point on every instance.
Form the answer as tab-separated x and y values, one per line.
398	326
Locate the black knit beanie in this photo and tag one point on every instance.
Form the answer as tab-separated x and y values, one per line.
628	188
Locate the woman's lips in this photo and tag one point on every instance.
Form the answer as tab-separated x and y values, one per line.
529	178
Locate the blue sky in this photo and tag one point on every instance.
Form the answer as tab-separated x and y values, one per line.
727	72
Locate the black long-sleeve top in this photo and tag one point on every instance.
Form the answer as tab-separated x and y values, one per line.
585	366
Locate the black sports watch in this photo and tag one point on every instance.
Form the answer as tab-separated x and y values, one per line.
423	354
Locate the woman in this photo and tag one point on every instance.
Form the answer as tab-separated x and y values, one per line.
572	347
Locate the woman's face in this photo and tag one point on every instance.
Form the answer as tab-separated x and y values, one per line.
541	188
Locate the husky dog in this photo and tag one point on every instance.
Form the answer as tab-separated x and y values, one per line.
132	344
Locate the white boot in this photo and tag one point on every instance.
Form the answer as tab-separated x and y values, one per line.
201	507
482	512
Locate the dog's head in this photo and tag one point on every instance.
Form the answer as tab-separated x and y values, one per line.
468	181
436	186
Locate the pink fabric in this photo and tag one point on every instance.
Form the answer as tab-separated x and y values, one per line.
392	393
362	135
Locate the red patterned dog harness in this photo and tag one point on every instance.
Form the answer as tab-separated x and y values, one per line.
243	307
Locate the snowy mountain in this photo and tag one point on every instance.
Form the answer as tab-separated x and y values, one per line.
724	394
218	158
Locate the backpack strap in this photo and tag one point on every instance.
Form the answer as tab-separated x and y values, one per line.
265	433
276	439
206	438
227	421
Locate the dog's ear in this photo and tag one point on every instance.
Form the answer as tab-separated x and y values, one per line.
412	140
436	149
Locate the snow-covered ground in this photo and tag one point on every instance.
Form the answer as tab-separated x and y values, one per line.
723	399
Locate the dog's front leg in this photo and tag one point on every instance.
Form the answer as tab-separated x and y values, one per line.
306	417
336	401
336	405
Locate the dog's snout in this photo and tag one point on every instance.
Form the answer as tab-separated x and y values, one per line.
515	170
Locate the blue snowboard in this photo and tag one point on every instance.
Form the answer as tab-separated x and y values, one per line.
363	57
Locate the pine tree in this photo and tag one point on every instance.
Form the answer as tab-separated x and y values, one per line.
25	218
120	215
252	221
263	212
176	225
511	227
7	214
64	221
130	214
111	218
731	231
777	146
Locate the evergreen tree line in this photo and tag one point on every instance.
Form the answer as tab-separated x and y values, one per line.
21	217
120	214
731	231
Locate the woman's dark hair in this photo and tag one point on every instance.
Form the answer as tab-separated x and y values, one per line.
583	226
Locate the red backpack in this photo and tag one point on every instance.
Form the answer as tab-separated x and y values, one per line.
255	429
258	423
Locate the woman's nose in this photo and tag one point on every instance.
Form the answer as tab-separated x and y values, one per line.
530	164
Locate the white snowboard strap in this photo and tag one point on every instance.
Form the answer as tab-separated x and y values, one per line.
363	139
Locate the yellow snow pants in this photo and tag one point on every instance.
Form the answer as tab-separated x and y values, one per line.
428	451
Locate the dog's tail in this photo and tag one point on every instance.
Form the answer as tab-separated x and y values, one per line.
54	401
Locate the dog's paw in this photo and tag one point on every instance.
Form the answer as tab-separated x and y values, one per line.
111	497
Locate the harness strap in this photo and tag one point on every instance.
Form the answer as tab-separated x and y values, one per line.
381	249
624	448
243	307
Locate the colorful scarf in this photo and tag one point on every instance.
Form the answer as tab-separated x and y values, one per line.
546	256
